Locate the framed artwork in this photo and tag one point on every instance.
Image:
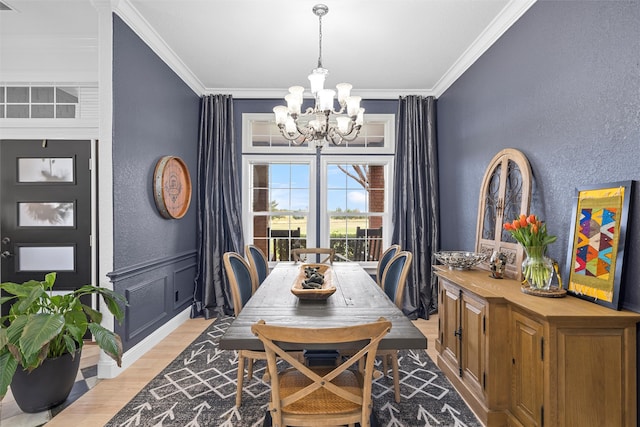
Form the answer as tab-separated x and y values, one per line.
597	242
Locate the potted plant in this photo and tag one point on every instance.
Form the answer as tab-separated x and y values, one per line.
41	339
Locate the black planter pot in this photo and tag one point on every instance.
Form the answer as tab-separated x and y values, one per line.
46	386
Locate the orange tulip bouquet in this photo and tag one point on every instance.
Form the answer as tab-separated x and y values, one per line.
532	234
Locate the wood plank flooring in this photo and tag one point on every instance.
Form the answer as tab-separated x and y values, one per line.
103	401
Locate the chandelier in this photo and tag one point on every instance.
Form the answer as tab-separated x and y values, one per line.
326	124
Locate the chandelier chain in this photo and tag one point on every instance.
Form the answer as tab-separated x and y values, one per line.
320	41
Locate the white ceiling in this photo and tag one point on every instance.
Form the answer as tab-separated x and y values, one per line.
385	48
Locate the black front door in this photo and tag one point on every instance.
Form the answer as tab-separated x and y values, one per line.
45	208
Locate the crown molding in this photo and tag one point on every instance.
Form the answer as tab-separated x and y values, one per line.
264	93
132	17
501	23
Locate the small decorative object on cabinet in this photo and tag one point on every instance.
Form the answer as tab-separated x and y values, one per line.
459	260
505	193
523	361
497	264
531	233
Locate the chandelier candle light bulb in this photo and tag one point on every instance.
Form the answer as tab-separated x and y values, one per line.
329	125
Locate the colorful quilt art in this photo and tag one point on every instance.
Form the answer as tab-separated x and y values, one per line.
598	242
594	248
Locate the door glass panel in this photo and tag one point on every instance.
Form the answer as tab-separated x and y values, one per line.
46	214
46	258
45	170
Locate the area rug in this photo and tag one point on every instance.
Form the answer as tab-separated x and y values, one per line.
199	388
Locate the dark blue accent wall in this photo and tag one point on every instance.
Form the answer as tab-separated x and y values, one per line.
563	86
155	114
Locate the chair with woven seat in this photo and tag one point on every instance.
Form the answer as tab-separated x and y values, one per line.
393	282
243	285
327	396
303	254
257	261
389	253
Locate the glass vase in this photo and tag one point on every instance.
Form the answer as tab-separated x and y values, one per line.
537	269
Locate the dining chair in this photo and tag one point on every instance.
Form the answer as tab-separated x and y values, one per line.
302	254
321	396
258	262
243	284
393	282
389	253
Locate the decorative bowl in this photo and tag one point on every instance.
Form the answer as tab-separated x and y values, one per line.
322	293
460	260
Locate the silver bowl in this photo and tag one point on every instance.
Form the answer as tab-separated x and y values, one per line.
459	260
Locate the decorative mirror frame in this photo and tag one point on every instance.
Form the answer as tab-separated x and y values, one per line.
505	193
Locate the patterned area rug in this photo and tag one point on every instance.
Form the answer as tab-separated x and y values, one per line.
198	389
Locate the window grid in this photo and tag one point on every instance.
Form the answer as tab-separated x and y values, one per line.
38	102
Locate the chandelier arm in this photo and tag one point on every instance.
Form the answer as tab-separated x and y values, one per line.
349	136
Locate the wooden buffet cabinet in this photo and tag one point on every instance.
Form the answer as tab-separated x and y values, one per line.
523	360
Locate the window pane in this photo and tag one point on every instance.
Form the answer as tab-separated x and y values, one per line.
17	111
66	111
299	176
280	175
42	111
46	258
261	200
18	94
357	201
376	201
1	93
67	95
336	201
42	95
45	170
261	176
286	232
260	226
1	111
45	214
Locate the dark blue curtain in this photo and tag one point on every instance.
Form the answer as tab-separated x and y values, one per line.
219	206
415	200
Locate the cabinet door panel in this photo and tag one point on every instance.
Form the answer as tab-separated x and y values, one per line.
449	323
591	368
473	344
527	373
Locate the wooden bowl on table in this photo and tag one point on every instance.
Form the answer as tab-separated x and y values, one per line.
321	293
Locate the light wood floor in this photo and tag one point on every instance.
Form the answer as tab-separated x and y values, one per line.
102	402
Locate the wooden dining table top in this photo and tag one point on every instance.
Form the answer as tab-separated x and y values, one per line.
358	299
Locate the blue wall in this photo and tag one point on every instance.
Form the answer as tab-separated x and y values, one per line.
155	114
563	86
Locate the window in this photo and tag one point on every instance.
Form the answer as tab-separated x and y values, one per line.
345	204
356	204
38	102
279	197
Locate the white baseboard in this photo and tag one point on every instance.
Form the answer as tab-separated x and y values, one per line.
107	367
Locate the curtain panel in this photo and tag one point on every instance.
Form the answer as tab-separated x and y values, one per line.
415	201
219	206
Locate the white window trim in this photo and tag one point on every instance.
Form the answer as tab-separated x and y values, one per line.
388	148
388	161
248	161
247	137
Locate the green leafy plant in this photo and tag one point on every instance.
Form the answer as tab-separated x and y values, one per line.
41	325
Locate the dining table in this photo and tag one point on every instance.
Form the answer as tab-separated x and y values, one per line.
357	299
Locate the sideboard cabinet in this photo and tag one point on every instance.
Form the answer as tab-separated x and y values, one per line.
521	360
